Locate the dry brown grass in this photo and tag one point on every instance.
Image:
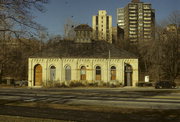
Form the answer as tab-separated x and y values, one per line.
5	118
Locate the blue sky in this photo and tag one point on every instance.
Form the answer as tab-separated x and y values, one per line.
81	11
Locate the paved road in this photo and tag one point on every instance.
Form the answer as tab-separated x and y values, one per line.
118	97
112	102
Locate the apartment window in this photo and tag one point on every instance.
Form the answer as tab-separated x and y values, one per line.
146	7
132	32
147	15
107	22
147	18
132	11
147	25
133	18
132	29
140	24
133	36
140	13
132	14
140	17
96	20
133	22
147	22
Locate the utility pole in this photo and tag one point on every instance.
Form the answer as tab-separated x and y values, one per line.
109	54
3	44
109	70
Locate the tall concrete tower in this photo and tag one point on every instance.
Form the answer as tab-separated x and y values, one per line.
102	26
138	21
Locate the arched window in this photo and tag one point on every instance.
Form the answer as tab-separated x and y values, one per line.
67	73
83	73
52	73
98	73
113	73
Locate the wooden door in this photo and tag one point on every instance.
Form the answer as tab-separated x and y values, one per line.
83	73
113	75
38	75
83	77
98	77
98	73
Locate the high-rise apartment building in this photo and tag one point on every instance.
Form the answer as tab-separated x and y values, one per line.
138	21
120	17
102	26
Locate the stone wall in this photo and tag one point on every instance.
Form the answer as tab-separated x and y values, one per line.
76	63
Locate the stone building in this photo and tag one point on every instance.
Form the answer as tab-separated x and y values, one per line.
83	33
94	62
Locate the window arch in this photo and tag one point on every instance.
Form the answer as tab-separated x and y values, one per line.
113	73
98	73
83	73
67	73
52	73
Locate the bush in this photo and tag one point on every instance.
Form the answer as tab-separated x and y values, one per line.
114	84
144	84
93	84
50	84
76	84
60	85
66	84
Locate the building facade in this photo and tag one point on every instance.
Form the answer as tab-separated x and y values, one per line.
138	21
83	61
83	33
102	26
91	70
117	35
114	35
95	62
120	17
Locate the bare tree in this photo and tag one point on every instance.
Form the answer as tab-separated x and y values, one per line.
69	33
17	24
17	17
171	54
174	18
161	56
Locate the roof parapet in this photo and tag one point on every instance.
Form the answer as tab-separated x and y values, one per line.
135	1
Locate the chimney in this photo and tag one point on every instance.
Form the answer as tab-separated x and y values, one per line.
135	1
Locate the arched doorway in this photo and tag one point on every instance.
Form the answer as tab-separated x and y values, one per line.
38	75
83	73
128	75
67	73
113	73
98	73
52	73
